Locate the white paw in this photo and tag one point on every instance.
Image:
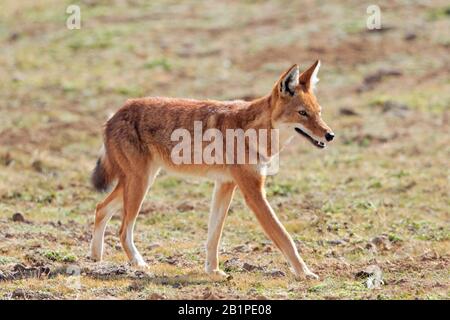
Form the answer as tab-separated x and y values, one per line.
95	256
306	274
95	251
138	262
217	273
311	275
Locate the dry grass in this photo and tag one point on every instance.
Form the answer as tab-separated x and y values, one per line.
386	177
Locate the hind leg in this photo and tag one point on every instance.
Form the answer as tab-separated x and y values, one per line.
136	186
223	193
103	213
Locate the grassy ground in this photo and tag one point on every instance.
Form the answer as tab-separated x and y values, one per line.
377	196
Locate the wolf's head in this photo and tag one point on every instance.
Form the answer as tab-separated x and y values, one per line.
295	107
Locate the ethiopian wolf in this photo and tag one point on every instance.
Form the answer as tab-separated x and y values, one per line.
145	135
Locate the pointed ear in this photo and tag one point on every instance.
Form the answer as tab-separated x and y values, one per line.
289	81
309	77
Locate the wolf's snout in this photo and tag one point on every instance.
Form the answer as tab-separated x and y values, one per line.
329	136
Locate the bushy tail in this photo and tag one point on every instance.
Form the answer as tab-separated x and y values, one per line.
103	175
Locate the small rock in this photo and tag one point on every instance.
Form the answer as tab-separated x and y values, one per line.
185	206
242	248
250	267
348	112
336	242
276	274
410	36
157	296
14	36
170	260
177	285
382	242
6	159
19	294
141	274
38	165
372	79
18	217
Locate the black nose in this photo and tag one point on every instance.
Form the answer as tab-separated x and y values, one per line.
329	136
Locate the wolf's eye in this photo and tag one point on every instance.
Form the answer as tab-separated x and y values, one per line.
303	113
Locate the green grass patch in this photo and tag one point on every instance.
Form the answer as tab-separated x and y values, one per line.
60	256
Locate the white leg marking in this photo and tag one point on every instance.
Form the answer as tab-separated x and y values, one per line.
99	232
223	193
137	259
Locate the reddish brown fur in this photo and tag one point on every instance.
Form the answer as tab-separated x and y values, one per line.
137	143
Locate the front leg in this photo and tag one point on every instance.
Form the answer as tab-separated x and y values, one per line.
223	193
252	187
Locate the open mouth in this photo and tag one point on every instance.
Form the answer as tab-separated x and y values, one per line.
318	144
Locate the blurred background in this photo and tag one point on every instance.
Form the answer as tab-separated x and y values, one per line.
378	195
